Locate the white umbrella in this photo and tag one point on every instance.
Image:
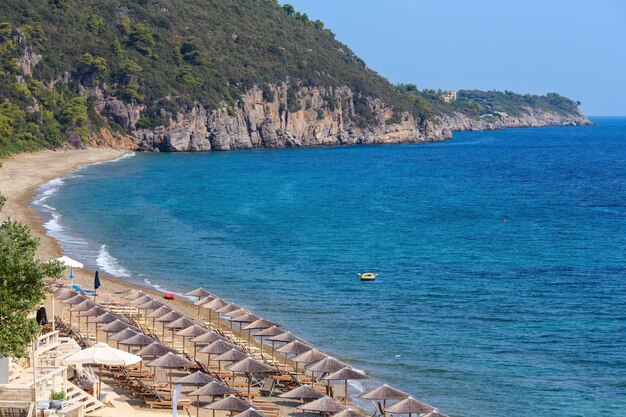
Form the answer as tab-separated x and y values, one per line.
102	354
67	261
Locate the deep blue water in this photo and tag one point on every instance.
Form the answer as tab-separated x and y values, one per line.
502	288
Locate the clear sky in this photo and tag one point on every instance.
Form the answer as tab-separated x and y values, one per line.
572	47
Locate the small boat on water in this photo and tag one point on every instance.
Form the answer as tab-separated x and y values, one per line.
368	276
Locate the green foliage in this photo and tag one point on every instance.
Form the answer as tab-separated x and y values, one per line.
141	39
21	287
57	395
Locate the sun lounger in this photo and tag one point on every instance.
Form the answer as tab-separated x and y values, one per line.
267	386
77	288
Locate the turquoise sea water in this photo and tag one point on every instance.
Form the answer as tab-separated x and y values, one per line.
502	255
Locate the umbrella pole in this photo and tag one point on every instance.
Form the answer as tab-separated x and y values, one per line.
100	384
261	343
272	350
210	311
195	347
183	345
384	408
171	390
345	402
198	406
198	315
249	383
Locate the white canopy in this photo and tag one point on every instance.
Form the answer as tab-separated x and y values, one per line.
67	261
102	354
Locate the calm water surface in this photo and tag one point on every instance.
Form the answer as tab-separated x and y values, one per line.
502	288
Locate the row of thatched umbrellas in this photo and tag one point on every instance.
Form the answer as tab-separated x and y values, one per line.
225	351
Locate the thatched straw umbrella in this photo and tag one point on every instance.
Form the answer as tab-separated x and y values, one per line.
198	292
212	389
214	305
209	337
168	318
140	340
155	349
192	331
294	348
249	366
133	295
179	323
228	308
216	348
348	412
323	405
94	311
233	355
309	356
170	361
116	327
123	335
245	318
62	294
346	374
326	365
105	318
269	332
251	412
201	301
384	393
159	312
197	379
304	392
409	406
141	300
80	308
259	324
149	305
230	403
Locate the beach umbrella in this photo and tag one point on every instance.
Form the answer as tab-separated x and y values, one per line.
217	348
158	313
249	366
139	339
251	412
304	392
64	294
269	332
201	301
228	308
77	299
198	292
212	389
123	335
96	282
326	365
284	337
179	323
294	348
196	379
155	349
116	327
209	337
94	311
233	355
81	307
141	300
409	406
309	356
149	305
348	412
105	318
259	324
133	295
384	393
230	403
323	405
214	305
245	318
170	361
346	374
71	263
192	331
168	318
102	354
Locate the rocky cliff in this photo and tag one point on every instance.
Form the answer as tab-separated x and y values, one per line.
319	117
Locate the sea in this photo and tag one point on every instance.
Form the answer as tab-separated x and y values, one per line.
501	255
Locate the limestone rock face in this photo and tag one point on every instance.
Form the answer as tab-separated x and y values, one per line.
310	116
256	122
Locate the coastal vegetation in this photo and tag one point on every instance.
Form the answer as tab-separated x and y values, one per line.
21	286
59	56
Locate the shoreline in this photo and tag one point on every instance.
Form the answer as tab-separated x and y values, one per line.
20	179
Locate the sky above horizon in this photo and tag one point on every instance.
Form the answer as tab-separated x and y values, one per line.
572	47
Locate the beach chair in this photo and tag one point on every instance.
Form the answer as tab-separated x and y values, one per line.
77	288
267	386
